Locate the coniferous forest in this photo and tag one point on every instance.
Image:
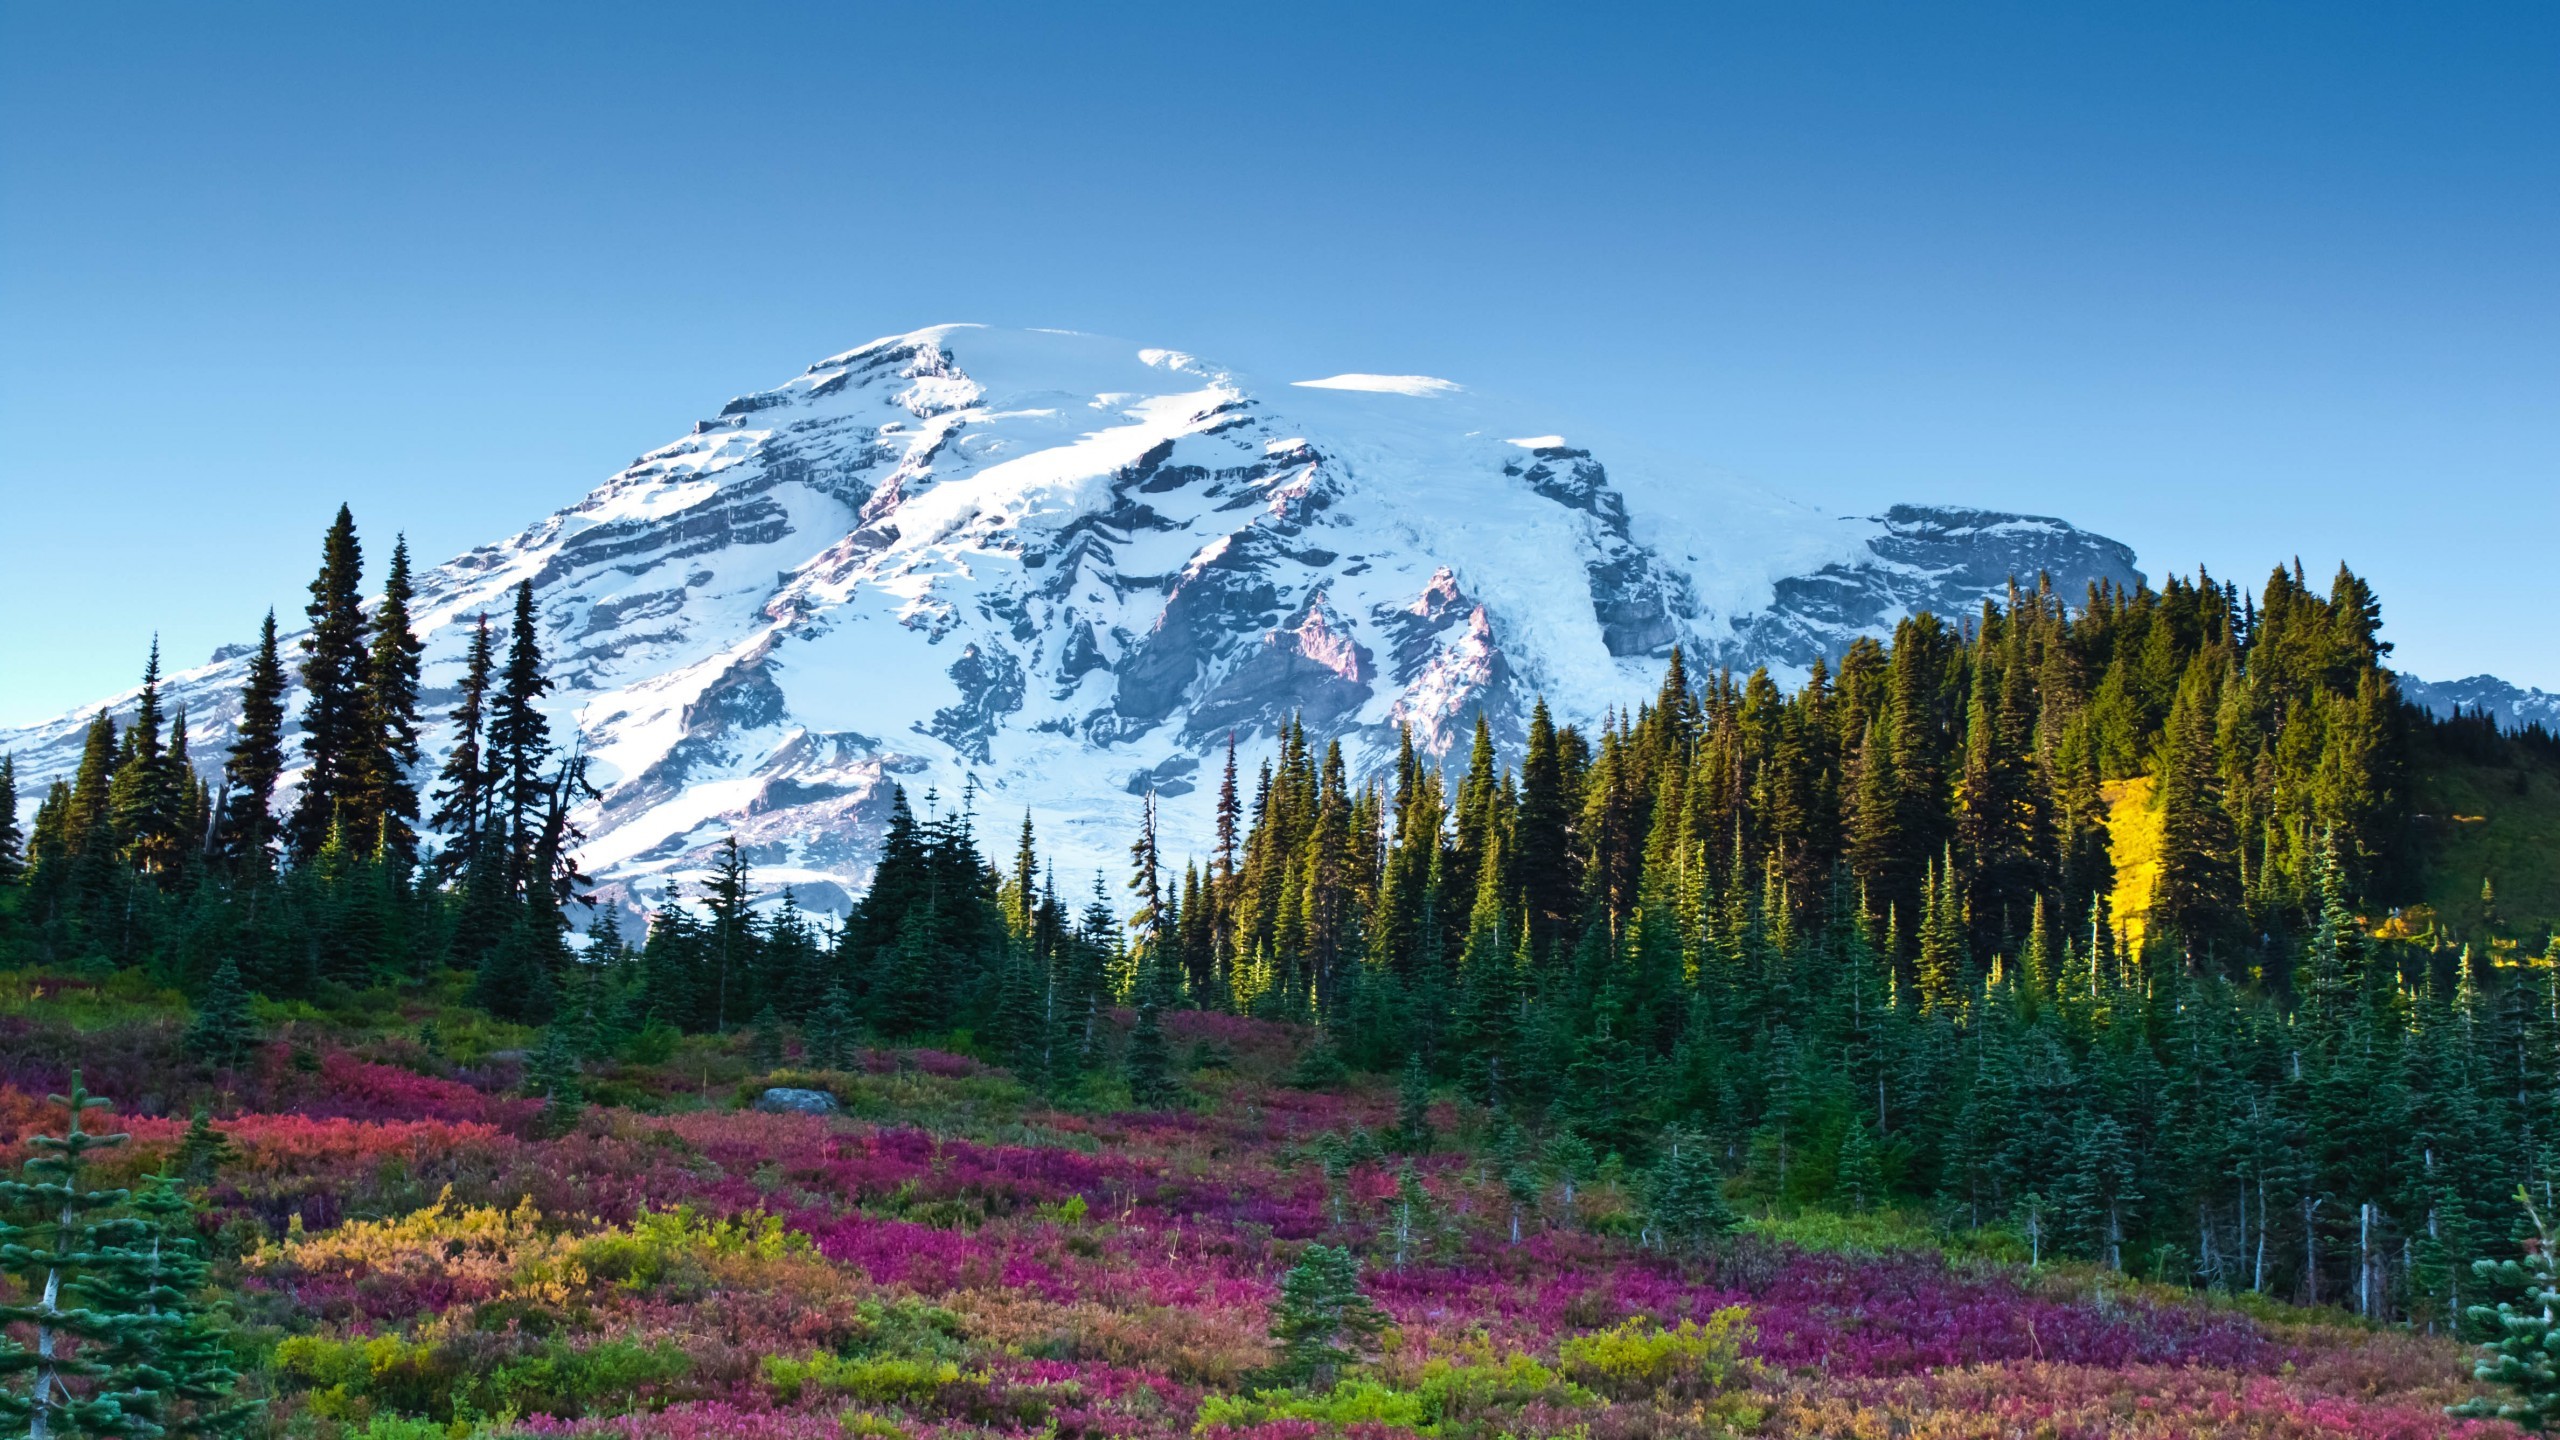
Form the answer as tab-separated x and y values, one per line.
2077	942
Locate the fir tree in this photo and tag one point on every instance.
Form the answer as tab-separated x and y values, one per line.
62	1240
2523	1353
1858	1175
391	698
552	1075
13	864
520	742
1148	1065
764	1041
828	1041
1413	1108
337	738
256	760
1319	1064
462	786
203	1150
1320	1315
1684	1196
224	1032
177	1355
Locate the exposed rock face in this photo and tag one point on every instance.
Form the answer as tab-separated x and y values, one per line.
1055	572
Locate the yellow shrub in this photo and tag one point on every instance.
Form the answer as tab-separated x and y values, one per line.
1639	1358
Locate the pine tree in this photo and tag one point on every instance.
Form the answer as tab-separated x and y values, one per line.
337	742
224	1033
1320	1314
257	759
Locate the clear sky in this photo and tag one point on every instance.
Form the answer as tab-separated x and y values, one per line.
2230	282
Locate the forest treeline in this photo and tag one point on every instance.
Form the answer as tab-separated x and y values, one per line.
1856	939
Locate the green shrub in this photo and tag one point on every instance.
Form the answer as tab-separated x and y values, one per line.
881	1380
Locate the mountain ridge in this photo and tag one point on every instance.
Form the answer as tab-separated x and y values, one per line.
1055	567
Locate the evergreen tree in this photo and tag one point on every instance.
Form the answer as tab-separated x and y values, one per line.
13	864
1319	1064
828	1041
203	1150
176	1355
1858	1176
520	742
391	698
2523	1353
256	760
1149	1066
338	740
1684	1195
1413	1108
63	1241
224	1033
552	1075
462	786
764	1040
1320	1315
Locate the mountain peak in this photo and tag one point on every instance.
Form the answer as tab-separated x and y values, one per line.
1064	567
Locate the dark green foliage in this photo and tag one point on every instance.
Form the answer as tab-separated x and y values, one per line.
827	1041
338	741
203	1151
764	1041
177	1356
223	1033
1149	1065
1319	1065
1413	1109
69	1248
2523	1353
1857	1177
1684	1195
1320	1316
257	758
12	840
553	1074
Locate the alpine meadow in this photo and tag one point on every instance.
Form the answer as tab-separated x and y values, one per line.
2072	1016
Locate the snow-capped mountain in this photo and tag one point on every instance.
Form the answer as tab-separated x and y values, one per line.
2515	706
1061	570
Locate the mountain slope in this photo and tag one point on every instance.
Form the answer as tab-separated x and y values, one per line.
1064	569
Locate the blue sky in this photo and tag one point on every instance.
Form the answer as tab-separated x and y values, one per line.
2229	282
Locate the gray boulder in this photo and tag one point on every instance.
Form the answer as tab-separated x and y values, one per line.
786	1100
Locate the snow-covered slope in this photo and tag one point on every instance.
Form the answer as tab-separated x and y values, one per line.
2516	706
1067	568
